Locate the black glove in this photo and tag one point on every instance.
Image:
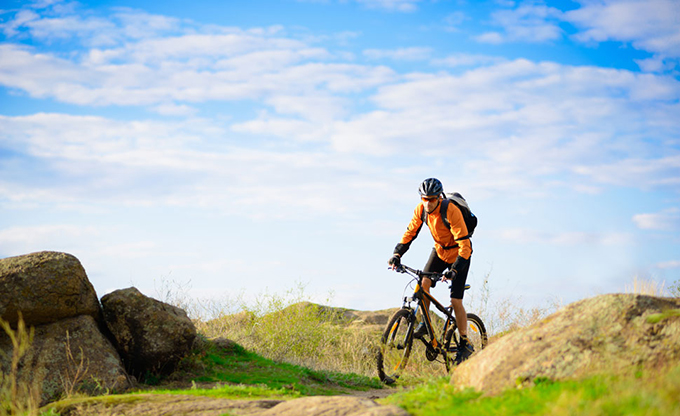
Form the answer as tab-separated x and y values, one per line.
395	260
450	274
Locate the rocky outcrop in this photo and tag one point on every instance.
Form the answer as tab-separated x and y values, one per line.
606	333
52	294
68	356
150	335
46	287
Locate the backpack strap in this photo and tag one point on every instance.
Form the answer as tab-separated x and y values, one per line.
443	210
446	219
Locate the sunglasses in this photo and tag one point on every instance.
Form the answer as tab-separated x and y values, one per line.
429	198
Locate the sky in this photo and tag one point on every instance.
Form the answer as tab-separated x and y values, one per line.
248	147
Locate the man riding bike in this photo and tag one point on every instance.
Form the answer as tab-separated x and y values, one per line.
452	250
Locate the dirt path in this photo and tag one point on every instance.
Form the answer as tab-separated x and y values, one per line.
179	405
373	394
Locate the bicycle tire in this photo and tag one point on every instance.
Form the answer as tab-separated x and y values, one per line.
477	335
477	332
395	345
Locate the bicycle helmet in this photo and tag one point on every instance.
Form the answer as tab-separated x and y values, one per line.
431	187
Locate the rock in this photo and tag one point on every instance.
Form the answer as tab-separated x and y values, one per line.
49	367
151	336
179	405
604	333
46	287
333	406
225	344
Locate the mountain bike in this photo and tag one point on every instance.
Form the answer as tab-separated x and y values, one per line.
397	340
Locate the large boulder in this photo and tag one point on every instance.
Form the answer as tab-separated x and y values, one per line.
45	287
66	357
613	332
151	336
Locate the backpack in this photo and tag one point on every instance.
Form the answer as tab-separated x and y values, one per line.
469	218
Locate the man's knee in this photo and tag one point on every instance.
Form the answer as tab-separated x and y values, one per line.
457	304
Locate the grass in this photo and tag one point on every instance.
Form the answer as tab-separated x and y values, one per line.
17	397
235	365
289	328
633	395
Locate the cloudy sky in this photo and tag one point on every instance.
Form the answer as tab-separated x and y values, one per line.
243	146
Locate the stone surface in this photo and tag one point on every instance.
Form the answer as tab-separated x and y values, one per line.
48	366
159	405
151	336
46	287
605	333
333	406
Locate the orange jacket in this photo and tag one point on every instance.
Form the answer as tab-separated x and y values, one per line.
445	242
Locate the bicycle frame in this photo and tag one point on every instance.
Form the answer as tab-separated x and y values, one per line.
418	295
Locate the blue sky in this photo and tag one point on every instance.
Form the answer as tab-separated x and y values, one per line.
238	147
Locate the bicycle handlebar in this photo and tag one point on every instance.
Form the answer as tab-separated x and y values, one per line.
402	268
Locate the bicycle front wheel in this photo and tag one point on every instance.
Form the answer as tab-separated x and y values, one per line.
395	345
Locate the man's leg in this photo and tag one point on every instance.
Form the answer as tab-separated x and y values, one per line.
434	264
465	349
461	315
427	284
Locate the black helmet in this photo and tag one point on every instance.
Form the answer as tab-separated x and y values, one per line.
431	187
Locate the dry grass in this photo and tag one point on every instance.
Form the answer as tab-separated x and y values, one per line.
643	286
289	328
17	398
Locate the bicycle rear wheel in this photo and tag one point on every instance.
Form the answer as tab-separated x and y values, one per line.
395	345
476	333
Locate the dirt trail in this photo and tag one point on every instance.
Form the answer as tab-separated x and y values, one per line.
179	405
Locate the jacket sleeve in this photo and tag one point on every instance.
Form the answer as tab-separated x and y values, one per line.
412	231
459	231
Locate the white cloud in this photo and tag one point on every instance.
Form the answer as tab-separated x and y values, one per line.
402	54
529	236
650	25
533	23
185	75
392	5
464	59
27	239
454	20
667	220
673	264
171	109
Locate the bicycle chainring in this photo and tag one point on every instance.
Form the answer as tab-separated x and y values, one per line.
430	353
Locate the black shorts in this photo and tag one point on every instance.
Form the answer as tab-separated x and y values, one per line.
437	265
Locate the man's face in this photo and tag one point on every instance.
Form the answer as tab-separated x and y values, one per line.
430	203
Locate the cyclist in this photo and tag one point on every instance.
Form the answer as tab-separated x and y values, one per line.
452	250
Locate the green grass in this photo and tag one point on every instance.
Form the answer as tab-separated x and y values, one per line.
239	372
647	395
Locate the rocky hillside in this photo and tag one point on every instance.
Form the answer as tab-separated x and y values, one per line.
607	333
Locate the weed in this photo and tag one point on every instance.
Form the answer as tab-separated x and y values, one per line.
642	286
75	371
17	398
674	289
